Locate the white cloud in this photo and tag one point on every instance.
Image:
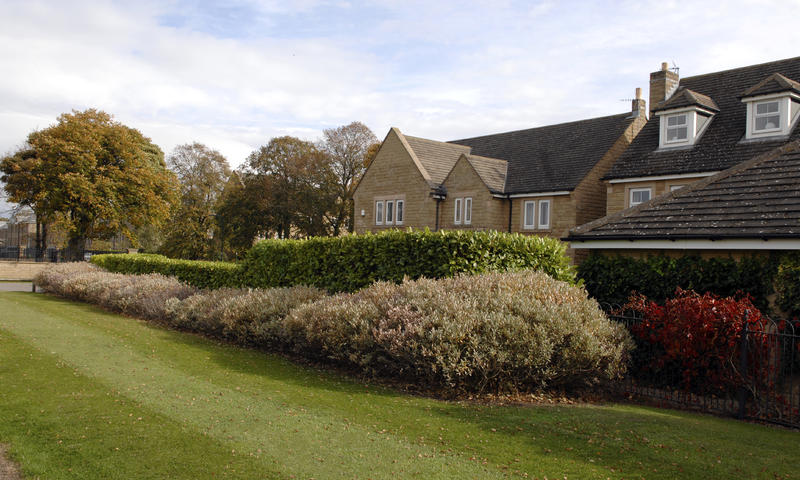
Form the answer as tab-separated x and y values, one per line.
236	73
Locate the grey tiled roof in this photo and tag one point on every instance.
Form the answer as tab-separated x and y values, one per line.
491	170
721	145
773	84
437	158
551	158
759	199
683	97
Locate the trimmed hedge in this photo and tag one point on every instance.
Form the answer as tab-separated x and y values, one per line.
346	264
612	279
198	273
787	285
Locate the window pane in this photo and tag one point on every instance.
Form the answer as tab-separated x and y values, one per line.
768	122
379	212
467	210
544	214
457	218
389	212
676	120
639	196
400	211
530	209
677	133
767	107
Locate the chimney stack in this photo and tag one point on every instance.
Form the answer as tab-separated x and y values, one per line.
638	106
662	85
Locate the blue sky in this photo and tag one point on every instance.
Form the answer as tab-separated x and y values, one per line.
233	74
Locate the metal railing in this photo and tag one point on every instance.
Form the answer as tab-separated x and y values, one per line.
762	374
52	255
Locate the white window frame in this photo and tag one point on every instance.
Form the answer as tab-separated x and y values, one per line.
468	211
379	212
543	203
399	211
685	125
389	212
672	188
457	212
649	191
532	224
757	115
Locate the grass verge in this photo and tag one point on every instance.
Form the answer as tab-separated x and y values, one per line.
87	394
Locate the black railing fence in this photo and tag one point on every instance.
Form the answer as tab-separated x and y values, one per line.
53	255
758	378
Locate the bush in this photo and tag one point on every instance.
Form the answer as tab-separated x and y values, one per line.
145	296
612	279
246	317
346	264
787	285
693	342
198	273
510	331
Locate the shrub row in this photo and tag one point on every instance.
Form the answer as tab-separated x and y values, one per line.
612	279
509	331
787	285
198	273
348	263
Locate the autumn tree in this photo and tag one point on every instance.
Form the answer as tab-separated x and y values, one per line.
296	183
347	148
92	174
202	173
241	213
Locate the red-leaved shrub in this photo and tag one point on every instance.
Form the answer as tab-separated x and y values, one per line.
693	342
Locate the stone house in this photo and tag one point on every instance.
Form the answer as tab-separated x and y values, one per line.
714	172
541	181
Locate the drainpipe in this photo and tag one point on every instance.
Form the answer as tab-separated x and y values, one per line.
438	198
510	204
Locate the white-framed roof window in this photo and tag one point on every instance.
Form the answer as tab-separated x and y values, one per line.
544	214
639	195
676	129
771	115
529	215
682	127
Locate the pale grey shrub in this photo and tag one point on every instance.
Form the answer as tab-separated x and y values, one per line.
502	331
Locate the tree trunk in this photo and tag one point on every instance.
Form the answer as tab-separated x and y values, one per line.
75	248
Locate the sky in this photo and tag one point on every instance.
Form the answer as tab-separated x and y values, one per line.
232	74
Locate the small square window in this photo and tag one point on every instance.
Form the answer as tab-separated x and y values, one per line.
544	214
389	212
379	213
529	212
677	129
457	214
398	220
639	195
467	211
767	116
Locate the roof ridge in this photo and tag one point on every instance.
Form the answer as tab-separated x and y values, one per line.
667	196
449	144
624	115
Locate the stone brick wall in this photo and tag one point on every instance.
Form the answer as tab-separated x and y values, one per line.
393	175
618	194
20	270
488	212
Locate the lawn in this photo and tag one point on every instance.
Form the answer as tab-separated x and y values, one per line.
87	394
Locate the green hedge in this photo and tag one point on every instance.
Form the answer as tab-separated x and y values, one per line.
787	285
346	264
611	279
198	273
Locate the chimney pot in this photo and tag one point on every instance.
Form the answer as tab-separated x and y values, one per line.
638	93
664	66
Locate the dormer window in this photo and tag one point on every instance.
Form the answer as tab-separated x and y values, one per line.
767	116
773	105
684	118
677	131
